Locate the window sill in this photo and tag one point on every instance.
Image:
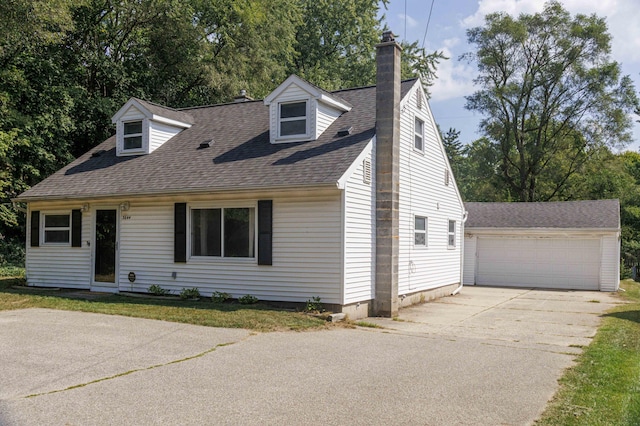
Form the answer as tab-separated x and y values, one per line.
222	260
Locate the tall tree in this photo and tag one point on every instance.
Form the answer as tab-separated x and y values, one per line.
550	94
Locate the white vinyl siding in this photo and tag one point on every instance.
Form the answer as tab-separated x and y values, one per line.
159	133
306	254
360	231
469	274
293	93
610	266
325	116
422	193
58	265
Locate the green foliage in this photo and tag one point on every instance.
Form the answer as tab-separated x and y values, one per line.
12	271
314	305
157	290
220	297
190	293
551	97
247	300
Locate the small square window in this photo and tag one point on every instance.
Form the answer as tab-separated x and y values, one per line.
132	137
420	231
452	234
419	135
293	119
57	228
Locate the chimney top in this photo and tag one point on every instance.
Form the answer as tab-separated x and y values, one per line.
388	36
242	97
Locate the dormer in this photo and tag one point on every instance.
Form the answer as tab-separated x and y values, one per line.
300	111
142	127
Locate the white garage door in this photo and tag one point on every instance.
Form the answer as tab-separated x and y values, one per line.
565	263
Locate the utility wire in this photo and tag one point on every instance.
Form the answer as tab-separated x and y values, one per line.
428	21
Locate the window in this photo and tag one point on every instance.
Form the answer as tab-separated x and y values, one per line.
293	119
132	138
419	135
57	228
452	233
223	232
420	231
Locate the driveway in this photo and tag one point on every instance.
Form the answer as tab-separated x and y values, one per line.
487	356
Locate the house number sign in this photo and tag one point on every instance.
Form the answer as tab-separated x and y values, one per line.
126	217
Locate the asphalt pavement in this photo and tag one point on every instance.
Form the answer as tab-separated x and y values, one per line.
483	357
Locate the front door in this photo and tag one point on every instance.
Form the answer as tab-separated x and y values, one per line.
105	248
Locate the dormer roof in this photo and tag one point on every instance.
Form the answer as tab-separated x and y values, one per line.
314	91
156	112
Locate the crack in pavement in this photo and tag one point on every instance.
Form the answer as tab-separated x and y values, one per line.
126	373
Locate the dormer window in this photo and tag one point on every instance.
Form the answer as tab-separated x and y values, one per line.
132	137
142	127
293	119
300	111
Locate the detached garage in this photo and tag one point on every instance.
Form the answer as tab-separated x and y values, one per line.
564	245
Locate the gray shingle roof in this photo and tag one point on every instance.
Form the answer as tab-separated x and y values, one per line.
241	156
167	112
593	214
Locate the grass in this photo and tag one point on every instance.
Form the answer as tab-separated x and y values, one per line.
257	317
603	388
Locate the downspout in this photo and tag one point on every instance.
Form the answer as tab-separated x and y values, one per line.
464	219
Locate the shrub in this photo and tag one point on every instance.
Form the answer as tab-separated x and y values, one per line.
157	290
248	300
314	305
218	297
190	293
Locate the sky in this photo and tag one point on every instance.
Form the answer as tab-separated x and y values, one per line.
447	33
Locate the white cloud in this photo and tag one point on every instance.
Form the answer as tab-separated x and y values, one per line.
455	78
411	23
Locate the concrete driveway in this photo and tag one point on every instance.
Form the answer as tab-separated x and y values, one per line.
484	357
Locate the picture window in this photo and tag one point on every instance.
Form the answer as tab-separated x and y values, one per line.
223	232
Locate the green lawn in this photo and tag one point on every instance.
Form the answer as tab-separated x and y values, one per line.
604	387
203	312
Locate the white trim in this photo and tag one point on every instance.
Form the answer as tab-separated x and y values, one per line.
43	227
449	233
202	205
169	121
417	119
307	118
313	91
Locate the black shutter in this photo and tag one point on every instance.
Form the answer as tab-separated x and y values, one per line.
265	232
35	229
180	236
76	228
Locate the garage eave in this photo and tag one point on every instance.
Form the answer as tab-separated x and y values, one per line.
540	231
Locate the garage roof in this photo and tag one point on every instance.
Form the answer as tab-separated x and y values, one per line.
592	214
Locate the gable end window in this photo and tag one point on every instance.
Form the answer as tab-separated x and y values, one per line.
132	136
418	141
420	231
293	119
223	232
57	228
452	234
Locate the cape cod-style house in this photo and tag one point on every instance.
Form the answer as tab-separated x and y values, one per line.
347	196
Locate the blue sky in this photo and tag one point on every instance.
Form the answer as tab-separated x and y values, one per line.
447	32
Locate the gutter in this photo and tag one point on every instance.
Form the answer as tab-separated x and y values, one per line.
465	215
176	192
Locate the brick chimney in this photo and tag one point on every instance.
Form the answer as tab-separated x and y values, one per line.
387	175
